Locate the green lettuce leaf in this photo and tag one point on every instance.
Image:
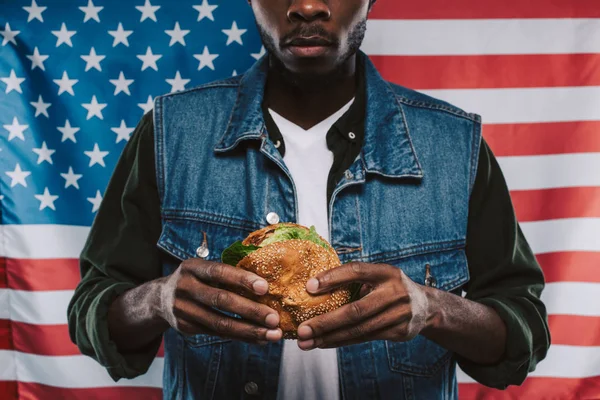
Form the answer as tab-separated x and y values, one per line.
236	251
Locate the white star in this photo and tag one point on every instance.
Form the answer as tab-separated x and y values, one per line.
9	36
16	130
93	60
37	60
120	36
12	82
91	11
65	84
63	36
234	34
177	35
149	59
44	153
35	11
95	201
147	11
148	105
46	200
260	53
123	132
121	84
205	10
94	108
68	132
206	59
96	156
18	176
71	178
177	83
40	107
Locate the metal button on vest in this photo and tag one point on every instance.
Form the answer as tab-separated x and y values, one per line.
348	174
351	135
202	251
251	388
272	218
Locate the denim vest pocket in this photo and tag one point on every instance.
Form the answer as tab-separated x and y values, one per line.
448	271
181	238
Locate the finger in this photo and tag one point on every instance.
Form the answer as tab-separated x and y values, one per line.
364	331
193	319
345	274
212	271
228	301
348	315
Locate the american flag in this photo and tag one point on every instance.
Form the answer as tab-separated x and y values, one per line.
77	76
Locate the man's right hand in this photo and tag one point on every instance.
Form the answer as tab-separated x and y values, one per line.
189	294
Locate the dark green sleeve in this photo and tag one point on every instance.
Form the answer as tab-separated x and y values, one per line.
506	276
119	254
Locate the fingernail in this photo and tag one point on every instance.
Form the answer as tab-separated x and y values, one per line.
306	344
274	334
272	320
305	332
312	285
260	286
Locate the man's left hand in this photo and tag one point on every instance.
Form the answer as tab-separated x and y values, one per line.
395	309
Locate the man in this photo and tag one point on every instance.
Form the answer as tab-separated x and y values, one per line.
402	184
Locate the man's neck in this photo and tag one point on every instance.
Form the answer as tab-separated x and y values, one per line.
306	105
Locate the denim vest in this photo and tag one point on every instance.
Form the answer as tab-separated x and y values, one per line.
403	202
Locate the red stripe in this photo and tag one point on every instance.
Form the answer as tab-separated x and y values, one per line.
8	390
576	266
544	204
29	390
54	340
43	274
5	335
477	72
575	330
3	283
536	388
543	138
459	9
29	338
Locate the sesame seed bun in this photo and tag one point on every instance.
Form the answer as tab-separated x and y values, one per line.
287	265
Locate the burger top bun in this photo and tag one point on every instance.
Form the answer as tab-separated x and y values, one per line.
287	261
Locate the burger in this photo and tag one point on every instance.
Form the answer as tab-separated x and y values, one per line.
287	255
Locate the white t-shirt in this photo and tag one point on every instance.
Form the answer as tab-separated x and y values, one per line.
313	374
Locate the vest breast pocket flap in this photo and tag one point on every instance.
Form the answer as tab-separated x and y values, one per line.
185	238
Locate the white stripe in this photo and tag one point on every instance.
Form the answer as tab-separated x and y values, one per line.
43	241
4	304
7	366
526	105
567	234
551	171
481	36
50	308
41	308
561	362
572	298
71	371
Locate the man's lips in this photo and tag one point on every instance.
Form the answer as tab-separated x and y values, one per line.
313	46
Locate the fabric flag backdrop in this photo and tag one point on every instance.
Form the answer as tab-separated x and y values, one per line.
76	78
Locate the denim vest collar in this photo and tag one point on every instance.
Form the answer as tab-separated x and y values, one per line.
385	123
